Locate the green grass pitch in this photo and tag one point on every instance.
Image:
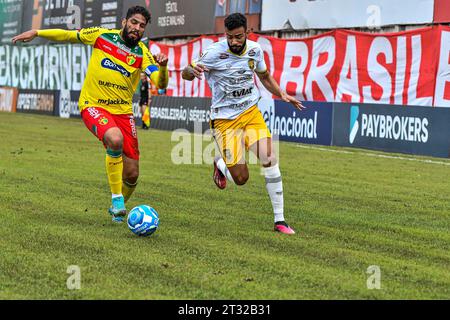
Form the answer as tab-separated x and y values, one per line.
350	211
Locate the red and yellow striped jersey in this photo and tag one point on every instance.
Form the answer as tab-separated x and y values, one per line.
114	70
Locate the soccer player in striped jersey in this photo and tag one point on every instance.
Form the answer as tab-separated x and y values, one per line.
113	74
229	67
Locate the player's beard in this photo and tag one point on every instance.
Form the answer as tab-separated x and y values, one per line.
238	49
128	40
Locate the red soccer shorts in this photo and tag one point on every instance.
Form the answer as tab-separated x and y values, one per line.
98	121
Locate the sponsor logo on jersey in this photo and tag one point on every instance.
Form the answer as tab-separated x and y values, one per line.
91	30
126	49
121	52
108	48
94	113
113	101
150	57
112	85
108	64
239	106
133	127
240	79
115	40
242	92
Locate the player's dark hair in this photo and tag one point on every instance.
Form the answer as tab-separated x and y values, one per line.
235	20
139	10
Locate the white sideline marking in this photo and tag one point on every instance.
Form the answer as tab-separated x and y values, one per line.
376	155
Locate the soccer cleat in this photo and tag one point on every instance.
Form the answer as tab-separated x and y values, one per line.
117	219
219	179
117	209
282	226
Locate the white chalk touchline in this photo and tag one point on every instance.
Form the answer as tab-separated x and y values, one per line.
376	155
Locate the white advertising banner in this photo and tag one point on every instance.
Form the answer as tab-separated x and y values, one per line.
46	67
329	14
8	99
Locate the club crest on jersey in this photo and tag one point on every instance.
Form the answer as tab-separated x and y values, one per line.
251	64
131	59
103	121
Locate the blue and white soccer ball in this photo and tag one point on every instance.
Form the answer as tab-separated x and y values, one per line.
143	220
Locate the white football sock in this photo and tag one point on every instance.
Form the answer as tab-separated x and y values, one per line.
223	168
274	187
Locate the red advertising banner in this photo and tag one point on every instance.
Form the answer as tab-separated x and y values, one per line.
179	57
404	68
441	11
396	68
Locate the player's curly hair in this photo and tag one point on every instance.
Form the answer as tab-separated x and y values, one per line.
139	10
235	20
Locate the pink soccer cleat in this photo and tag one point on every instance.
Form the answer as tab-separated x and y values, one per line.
219	179
282	226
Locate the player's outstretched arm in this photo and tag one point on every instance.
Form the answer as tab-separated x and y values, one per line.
161	77
26	36
50	34
270	84
191	72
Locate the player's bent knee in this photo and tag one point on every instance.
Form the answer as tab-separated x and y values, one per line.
115	144
114	140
